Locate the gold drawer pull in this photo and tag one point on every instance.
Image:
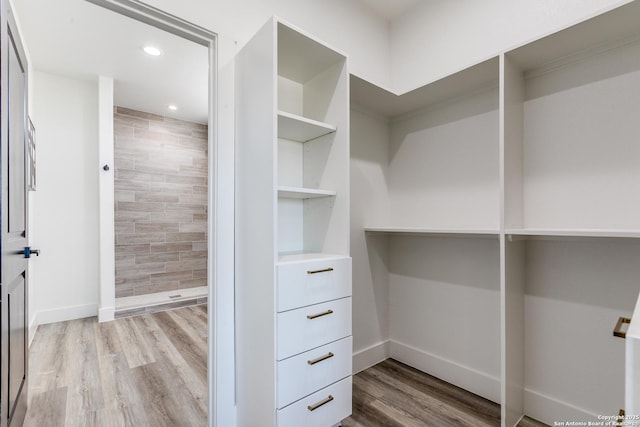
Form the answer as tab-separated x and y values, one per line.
320	359
319	404
324	270
315	316
618	332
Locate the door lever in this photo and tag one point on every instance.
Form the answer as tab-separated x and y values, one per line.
27	252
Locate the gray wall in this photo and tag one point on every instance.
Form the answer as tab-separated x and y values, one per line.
160	203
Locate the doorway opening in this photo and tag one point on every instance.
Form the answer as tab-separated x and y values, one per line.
161	206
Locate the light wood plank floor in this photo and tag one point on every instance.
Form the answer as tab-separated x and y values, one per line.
149	370
392	394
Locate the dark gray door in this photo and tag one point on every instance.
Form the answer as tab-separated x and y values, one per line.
13	237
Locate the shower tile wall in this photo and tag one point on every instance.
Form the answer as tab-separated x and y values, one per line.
160	203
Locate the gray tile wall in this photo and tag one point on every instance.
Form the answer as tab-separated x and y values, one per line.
160	203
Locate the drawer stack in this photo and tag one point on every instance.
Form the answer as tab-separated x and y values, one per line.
314	343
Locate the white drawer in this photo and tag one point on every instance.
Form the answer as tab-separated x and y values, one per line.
312	282
302	413
310	327
308	372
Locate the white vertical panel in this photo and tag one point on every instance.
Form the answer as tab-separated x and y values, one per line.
107	302
632	364
512	252
513	140
255	229
513	283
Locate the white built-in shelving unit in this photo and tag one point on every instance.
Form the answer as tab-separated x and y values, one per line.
496	223
293	269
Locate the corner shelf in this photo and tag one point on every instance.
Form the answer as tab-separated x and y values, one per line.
436	232
303	193
301	129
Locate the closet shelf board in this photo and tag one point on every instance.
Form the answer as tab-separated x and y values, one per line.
392	105
301	129
560	232
436	232
303	193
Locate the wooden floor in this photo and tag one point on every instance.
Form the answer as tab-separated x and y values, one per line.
392	394
149	370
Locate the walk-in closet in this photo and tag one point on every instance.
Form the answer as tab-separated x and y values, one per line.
495	223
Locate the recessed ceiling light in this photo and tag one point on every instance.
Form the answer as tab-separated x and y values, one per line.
172	107
151	50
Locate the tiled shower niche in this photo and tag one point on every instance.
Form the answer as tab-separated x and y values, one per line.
160	203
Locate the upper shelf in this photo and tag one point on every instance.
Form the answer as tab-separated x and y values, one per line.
551	232
390	104
437	232
303	193
301	129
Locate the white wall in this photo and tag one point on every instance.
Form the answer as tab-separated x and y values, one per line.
442	36
346	25
65	218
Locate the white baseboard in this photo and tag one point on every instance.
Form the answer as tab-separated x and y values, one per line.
370	356
66	313
548	409
33	327
470	379
106	314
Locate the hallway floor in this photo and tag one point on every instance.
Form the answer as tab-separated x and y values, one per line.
148	370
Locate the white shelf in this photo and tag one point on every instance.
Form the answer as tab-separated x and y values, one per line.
631	234
390	104
303	193
441	232
301	129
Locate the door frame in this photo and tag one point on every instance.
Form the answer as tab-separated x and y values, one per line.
221	364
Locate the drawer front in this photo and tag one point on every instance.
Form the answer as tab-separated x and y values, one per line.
308	372
313	282
310	327
307	413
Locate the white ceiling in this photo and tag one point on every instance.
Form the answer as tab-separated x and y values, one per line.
79	39
391	9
